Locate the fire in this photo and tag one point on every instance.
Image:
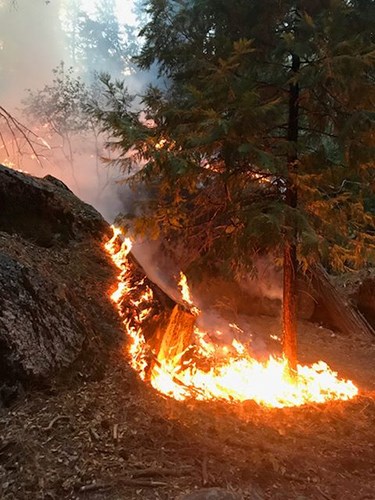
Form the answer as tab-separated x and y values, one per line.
161	144
186	295
189	365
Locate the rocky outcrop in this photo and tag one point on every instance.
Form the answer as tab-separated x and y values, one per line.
45	211
54	280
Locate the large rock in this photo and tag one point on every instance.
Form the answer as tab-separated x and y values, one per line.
44	211
54	280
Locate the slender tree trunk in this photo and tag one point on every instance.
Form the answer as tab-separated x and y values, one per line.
290	305
290	292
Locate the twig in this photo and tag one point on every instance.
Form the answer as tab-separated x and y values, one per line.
140	482
193	390
12	123
327	497
4	144
115	433
94	434
205	479
94	487
160	472
54	420
126	481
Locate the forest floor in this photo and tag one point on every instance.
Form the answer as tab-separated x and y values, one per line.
116	438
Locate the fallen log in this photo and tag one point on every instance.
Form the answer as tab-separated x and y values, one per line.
340	311
168	325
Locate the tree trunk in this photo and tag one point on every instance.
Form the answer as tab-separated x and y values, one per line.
290	305
290	292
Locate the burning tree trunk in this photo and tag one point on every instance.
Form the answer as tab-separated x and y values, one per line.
177	336
171	342
290	250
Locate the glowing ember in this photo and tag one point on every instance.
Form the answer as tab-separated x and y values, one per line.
161	144
205	371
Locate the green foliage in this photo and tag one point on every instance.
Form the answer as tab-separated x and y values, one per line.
218	152
60	105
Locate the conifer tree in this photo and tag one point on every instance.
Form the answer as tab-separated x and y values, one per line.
263	138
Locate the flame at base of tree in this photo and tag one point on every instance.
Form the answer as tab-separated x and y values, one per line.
187	365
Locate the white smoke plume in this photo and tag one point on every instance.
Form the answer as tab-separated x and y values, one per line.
34	41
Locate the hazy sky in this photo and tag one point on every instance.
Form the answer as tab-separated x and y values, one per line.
32	43
124	9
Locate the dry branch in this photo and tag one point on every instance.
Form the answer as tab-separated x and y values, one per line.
55	420
152	472
13	125
124	481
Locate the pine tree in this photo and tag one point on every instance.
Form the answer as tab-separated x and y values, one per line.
263	139
97	41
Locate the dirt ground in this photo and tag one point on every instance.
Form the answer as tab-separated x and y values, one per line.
116	438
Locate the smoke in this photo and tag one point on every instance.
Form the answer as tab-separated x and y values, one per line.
31	45
34	39
159	268
265	281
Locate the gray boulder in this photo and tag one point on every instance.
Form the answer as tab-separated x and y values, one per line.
54	281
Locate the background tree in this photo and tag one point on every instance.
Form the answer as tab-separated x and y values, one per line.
97	41
18	69
263	140
60	107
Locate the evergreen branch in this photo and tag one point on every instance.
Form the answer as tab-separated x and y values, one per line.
319	132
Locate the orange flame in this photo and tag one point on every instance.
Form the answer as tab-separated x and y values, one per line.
186	295
230	372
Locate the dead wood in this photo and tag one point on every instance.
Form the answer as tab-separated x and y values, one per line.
58	418
115	433
176	338
160	472
342	313
165	300
124	481
205	479
94	487
324	495
141	482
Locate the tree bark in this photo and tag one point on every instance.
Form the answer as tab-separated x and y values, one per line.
290	289
290	305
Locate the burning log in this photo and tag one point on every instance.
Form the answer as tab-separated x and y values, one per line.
172	342
168	328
